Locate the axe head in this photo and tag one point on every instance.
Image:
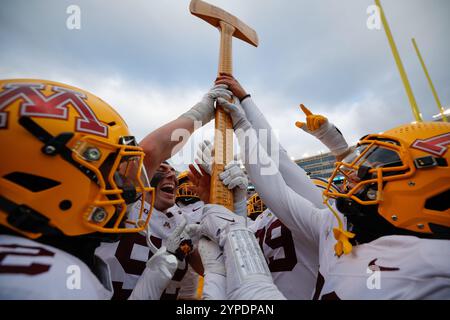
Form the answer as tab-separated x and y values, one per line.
214	15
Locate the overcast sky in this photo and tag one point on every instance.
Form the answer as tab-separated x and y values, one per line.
152	60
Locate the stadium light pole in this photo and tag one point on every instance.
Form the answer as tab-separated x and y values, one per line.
430	82
398	61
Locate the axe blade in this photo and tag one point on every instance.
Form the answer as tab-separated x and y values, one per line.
214	15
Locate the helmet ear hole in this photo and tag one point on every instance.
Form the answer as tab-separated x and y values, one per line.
65	205
439	202
31	182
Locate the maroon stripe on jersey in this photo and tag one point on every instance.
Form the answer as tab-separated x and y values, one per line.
374	267
170	296
330	296
119	293
319	286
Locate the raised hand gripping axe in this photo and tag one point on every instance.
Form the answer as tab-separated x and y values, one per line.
228	26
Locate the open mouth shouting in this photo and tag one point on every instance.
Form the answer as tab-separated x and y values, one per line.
168	189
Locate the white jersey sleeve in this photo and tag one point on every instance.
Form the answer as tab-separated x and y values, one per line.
295	177
31	270
189	285
214	287
290	207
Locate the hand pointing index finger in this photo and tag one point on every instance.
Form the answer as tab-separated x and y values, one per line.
305	110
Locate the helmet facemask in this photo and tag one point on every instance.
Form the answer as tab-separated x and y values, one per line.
255	206
367	170
122	180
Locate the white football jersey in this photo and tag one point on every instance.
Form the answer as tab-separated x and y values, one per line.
127	258
388	268
292	259
31	270
405	267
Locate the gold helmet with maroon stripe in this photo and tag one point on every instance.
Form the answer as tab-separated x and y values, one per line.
69	163
398	182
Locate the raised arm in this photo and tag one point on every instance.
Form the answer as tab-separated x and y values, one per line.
166	141
290	207
295	177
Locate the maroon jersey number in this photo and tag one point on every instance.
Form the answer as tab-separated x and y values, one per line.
31	269
284	241
136	267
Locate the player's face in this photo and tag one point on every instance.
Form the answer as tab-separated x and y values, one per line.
165	190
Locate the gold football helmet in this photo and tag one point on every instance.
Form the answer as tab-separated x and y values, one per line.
183	193
399	180
255	206
69	163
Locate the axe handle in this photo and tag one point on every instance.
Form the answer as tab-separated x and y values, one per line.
223	138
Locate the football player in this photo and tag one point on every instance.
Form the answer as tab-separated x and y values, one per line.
389	236
283	251
290	258
127	257
72	175
234	265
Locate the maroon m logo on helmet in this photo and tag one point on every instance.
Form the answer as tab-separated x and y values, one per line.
437	146
35	104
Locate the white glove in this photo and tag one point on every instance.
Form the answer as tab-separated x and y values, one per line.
326	132
217	221
159	270
204	111
205	155
236	113
194	233
179	243
234	178
212	257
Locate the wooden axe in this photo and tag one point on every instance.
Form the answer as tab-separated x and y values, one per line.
228	26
